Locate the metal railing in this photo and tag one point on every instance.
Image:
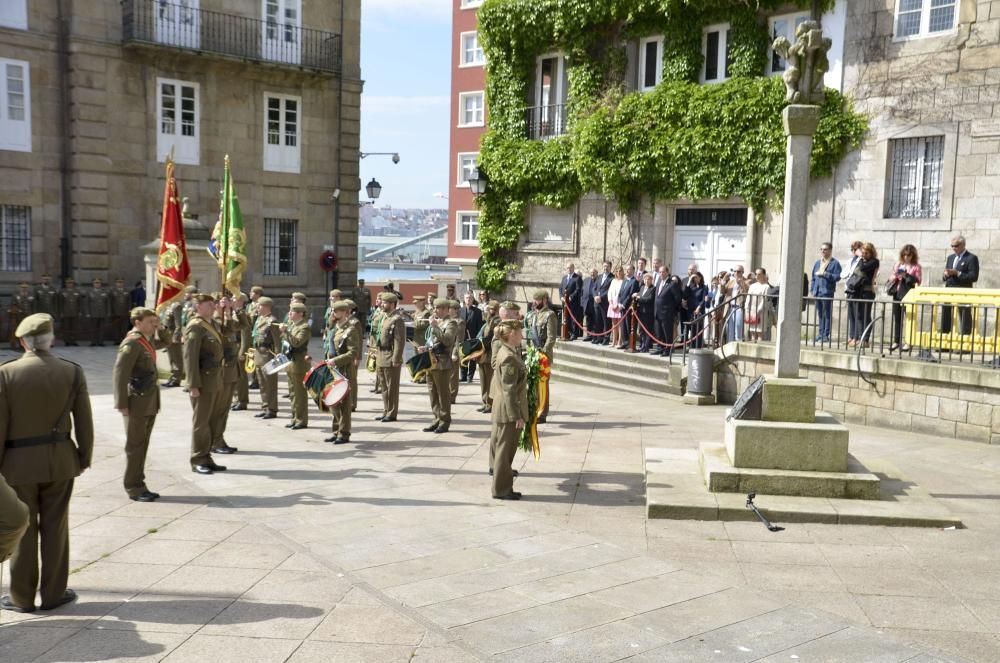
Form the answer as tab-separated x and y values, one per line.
545	121
274	40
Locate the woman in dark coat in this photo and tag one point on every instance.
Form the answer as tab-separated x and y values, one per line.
861	286
694	297
646	300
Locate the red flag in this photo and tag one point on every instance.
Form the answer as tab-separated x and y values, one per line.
172	267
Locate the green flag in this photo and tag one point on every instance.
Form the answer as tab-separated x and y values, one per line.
230	236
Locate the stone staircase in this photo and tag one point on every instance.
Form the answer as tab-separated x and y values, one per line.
578	362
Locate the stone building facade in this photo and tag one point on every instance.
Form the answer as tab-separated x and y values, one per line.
928	81
107	88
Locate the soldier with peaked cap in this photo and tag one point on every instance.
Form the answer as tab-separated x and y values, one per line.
121	300
44	403
296	298
266	340
442	336
510	408
295	335
22	304
485	367
542	330
70	304
352	317
137	396
389	345
373	331
172	320
244	331
203	354
456	362
363	296
46	297
329	323
229	326
345	350
98	311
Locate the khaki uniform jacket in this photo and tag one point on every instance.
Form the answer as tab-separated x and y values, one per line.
509	388
243	321
173	323
70	303
545	328
203	354
346	348
134	375
446	335
297	336
99	303
46	300
266	339
364	301
120	302
421	321
25	304
377	319
489	338
230	329
34	391
391	341
459	337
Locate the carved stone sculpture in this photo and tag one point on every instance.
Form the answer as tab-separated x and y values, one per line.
807	62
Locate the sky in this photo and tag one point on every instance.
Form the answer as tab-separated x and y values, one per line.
406	66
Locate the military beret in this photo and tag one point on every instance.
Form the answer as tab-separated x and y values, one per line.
70	280
382	295
420	298
390	298
119	280
191	289
341	306
141	313
257	290
34	325
450	286
298	307
510	306
454	303
97	281
336	293
350	302
265	301
24	284
299	295
493	303
203	297
541	294
512	324
243	296
441	302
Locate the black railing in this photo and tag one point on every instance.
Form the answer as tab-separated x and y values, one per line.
176	25
545	121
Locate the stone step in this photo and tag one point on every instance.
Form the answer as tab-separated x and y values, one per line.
820	446
587	375
616	362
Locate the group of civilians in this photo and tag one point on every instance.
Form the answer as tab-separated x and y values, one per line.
672	309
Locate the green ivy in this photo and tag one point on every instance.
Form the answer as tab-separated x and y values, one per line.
681	140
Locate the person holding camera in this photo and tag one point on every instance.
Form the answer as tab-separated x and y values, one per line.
906	275
861	288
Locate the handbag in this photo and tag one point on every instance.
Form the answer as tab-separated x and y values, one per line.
854	282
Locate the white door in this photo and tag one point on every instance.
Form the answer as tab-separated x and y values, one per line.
692	244
177	22
730	248
282	36
714	248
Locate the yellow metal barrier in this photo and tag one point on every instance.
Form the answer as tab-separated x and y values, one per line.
924	308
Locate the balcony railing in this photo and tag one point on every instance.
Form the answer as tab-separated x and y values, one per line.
546	121
179	25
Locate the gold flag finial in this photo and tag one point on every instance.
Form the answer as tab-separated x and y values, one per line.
227	161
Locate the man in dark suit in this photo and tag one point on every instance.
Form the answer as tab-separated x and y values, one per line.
667	303
640	271
629	287
961	271
587	302
601	287
472	315
570	290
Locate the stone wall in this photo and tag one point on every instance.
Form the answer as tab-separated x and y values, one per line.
950	400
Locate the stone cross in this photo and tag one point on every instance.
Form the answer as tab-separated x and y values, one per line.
806	64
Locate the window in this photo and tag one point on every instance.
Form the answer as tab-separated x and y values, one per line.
650	63
15	238
469	4
921	18
547	118
15	106
715	48
466	164
472	52
915	177
785	26
280	247
14	14
550	228
282	28
470	109
282	132
177	120
468	228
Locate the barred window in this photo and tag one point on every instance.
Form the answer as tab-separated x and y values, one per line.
15	238
280	247
915	177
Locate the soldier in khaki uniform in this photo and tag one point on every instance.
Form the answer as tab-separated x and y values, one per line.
39	394
266	340
363	297
543	330
46	297
245	332
329	323
70	304
378	315
389	348
22	305
345	349
441	343
485	365
137	396
98	311
352	318
13	520
120	302
203	353
229	325
421	323
256	292
456	362
510	408
509	311
295	335
173	320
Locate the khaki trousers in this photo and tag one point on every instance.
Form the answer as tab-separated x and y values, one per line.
222	406
485	379
390	390
175	353
300	399
68	329
137	433
439	386
503	445
268	386
243	387
453	384
342	417
48	521
205	428
13	520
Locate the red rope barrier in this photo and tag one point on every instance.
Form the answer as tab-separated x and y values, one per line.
631	311
653	338
579	324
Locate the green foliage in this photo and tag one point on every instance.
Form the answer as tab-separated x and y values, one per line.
681	140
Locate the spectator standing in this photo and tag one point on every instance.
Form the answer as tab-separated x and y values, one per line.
570	292
473	318
601	287
587	304
735	288
861	288
758	309
640	272
645	299
615	311
961	271
138	295
694	298
852	306
906	275
665	309
657	272
629	288
823	286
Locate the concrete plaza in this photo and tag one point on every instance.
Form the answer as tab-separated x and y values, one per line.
391	549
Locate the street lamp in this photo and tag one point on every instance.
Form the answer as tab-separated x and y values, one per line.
374	189
394	155
478	181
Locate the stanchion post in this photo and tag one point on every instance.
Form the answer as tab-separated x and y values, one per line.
631	328
565	319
